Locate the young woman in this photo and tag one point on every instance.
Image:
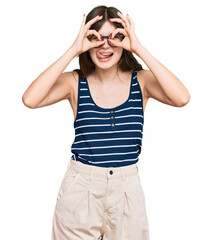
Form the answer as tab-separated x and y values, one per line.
101	196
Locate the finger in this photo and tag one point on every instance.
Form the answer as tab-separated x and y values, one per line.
119	30
117	44
92	21
90	32
83	22
127	17
131	21
97	44
119	20
123	18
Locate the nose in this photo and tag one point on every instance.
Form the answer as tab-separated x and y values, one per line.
107	44
106	41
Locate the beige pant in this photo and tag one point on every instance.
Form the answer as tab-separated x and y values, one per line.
96	203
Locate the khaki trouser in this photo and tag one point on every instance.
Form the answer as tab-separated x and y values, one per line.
96	203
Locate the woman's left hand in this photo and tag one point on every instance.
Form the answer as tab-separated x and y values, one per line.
130	42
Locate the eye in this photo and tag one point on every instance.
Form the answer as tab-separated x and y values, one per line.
118	37
92	38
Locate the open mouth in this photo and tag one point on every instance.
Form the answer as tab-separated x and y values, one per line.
104	56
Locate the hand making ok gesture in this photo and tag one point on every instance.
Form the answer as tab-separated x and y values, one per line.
130	42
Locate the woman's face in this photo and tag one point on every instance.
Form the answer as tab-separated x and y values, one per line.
97	53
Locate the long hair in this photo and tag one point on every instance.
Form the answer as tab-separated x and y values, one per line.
127	61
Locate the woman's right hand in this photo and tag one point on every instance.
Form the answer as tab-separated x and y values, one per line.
82	43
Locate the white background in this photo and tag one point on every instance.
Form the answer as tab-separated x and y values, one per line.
175	162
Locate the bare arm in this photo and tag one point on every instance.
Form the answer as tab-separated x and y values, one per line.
52	85
161	84
50	79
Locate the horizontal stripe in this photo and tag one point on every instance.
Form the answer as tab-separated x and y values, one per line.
108	137
113	161
104	125
109	117
87	133
107	154
112	146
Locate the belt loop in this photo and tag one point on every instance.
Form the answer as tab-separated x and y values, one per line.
137	168
69	164
123	175
68	168
91	173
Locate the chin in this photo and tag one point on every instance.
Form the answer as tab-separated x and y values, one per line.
105	63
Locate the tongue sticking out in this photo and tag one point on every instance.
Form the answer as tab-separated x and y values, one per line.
104	56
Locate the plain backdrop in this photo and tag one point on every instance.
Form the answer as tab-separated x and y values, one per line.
175	162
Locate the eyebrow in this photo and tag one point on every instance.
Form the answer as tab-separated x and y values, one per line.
105	35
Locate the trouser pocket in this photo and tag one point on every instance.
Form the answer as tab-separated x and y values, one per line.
67	183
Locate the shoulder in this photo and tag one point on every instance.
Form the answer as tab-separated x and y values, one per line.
70	81
74	81
71	78
143	76
68	77
75	75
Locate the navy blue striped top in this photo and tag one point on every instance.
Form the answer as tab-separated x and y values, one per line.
108	137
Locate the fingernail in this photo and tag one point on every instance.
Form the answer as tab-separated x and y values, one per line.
101	39
127	14
110	37
84	14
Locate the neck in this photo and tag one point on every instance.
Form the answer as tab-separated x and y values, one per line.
107	75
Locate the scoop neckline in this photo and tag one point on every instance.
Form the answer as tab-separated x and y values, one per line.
114	108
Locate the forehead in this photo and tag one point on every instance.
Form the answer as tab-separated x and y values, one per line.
107	28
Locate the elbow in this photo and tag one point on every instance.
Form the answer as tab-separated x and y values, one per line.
27	103
184	100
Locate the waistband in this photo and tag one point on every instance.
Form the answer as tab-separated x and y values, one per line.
103	172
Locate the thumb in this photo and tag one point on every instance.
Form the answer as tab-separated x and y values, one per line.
97	44
115	43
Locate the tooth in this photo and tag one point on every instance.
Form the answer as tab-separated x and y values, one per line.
105	54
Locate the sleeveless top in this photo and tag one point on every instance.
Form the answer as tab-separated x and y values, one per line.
108	137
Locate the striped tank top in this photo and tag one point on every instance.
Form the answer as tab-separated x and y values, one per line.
108	137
